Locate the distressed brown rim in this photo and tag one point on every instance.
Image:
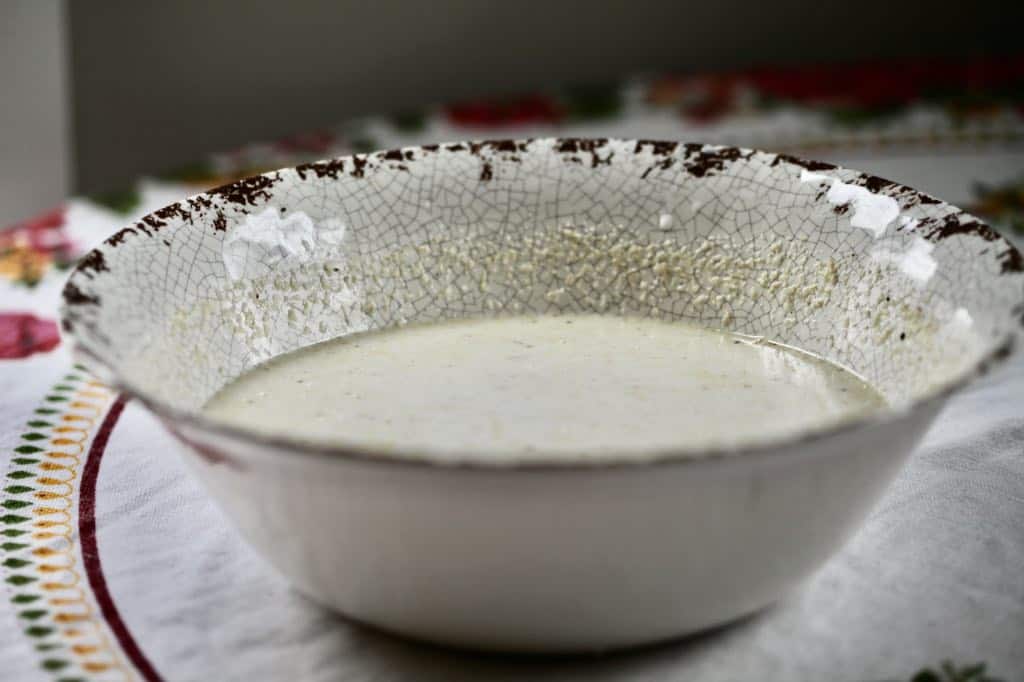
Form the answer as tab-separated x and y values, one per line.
247	190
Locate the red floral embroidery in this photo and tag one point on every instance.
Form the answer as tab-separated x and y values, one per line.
28	249
44	233
23	334
316	142
518	111
974	88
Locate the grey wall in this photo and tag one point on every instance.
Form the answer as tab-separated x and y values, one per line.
34	150
160	83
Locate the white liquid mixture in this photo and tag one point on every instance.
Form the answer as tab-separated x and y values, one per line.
579	386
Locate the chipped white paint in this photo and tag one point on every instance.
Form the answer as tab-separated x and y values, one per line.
871	211
916	261
962	318
159	310
357	248
909	224
270	239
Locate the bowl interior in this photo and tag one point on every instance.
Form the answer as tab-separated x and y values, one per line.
907	291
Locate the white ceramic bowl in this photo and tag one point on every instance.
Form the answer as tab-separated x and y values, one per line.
536	555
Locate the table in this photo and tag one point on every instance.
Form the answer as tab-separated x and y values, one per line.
117	566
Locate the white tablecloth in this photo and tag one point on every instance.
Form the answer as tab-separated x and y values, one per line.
118	566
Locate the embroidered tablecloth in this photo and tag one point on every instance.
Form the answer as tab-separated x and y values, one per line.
116	565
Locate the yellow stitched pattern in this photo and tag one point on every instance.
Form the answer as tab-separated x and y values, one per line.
59	613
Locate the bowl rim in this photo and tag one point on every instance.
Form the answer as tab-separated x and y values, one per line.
427	458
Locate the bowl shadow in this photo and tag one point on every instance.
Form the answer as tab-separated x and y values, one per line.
396	657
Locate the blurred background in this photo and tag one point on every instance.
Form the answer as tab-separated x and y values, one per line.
99	94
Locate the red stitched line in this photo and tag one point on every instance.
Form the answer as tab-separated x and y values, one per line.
90	549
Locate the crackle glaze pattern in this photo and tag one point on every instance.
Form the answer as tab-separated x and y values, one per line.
536	555
902	288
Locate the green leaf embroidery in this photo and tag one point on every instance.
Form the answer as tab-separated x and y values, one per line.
12	532
594	101
27	450
409	121
54	664
18	489
13	518
15	504
33	614
56	399
24	460
121	201
25	598
950	672
20	474
363	144
45	410
33	436
12	562
19	580
13	546
39	424
38	631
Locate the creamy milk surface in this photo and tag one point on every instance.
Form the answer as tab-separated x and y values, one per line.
561	386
